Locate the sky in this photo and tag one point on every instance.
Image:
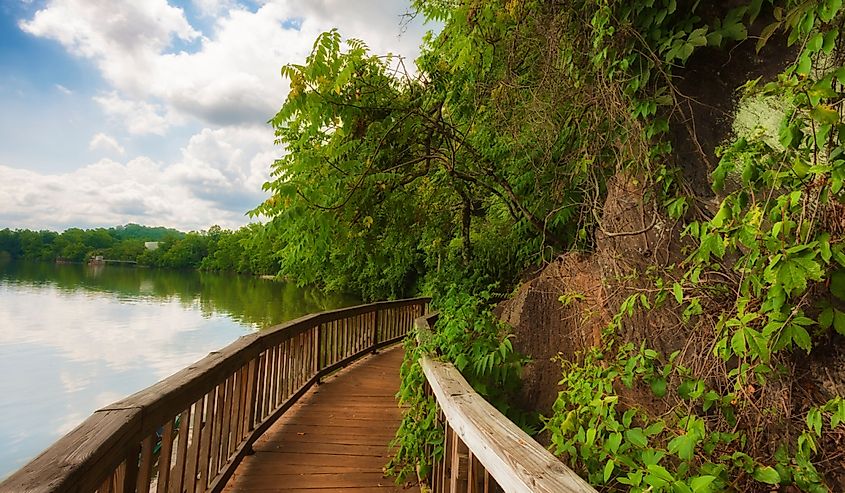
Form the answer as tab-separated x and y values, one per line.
155	111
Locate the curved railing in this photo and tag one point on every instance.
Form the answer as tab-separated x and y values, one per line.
190	431
484	451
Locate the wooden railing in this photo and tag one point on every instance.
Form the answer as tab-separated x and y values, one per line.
484	451
189	432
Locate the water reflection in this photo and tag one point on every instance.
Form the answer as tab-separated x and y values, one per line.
249	300
74	338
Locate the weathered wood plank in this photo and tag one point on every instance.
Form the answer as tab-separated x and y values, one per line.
164	458
516	461
195	436
230	416
216	436
145	469
177	475
260	387
292	456
92	449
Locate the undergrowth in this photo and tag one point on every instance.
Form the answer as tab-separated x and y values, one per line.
468	335
501	150
761	278
622	447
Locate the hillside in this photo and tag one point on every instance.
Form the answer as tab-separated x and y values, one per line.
651	191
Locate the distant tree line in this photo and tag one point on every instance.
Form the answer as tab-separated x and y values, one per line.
246	250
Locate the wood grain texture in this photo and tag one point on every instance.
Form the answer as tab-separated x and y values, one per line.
334	439
514	459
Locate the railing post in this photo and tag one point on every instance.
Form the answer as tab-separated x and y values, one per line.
252	397
458	468
318	354
130	477
375	331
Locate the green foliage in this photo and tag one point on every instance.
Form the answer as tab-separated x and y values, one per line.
419	440
390	180
468	335
775	235
134	231
625	448
500	152
250	249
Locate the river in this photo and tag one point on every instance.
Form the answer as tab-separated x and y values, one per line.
75	338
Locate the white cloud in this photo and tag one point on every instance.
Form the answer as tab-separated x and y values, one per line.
161	73
232	77
139	117
213	8
64	90
123	37
106	143
216	179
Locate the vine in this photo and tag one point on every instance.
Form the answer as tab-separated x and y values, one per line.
468	335
504	148
773	251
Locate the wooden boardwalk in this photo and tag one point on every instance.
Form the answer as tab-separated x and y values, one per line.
334	439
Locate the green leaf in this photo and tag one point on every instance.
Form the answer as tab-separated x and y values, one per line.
701	484
678	291
608	469
814	420
677	207
766	474
613	441
636	437
765	34
714	38
680	487
815	43
723	215
837	284
712	244
801	337
826	318
628	416
830	41
825	114
793	273
790	136
660	472
824	248
591	437
658	386
687	49
738	343
683	446
698	37
734	29
655	428
804	65
839	321
828	9
633	479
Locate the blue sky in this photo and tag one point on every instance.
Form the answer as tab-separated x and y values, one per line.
154	111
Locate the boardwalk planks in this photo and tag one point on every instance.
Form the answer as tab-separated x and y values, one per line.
335	438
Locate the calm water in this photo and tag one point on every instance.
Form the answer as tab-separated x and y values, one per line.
75	338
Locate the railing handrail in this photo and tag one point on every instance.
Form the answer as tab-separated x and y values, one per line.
81	459
516	461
